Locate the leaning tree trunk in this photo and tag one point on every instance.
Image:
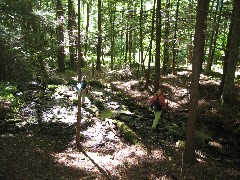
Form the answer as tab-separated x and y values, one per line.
228	95
198	55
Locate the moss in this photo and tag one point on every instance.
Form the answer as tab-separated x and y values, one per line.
52	87
107	114
127	132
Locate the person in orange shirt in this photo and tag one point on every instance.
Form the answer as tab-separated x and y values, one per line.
157	103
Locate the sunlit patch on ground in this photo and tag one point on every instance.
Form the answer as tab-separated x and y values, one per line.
124	156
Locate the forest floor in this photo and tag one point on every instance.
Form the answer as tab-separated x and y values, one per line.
115	132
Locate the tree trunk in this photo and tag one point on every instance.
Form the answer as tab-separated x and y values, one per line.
175	42
214	36
141	33
166	41
225	60
60	50
99	45
130	36
158	44
112	35
79	115
228	95
71	20
87	26
150	47
126	47
198	55
2	62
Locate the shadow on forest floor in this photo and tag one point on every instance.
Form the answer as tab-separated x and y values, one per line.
46	150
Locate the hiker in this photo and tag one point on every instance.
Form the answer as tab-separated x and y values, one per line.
82	88
157	103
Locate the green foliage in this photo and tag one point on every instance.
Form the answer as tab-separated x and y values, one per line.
7	92
52	87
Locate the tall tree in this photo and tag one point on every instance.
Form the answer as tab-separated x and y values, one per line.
175	41
99	45
79	68
150	47
166	37
71	23
112	8
228	95
198	55
225	59
60	50
87	27
141	32
158	43
213	40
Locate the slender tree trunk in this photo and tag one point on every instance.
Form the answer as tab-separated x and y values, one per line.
217	31
158	44
112	18
130	37
141	33
87	26
2	62
150	47
213	40
190	50
79	115
99	45
126	47
228	95
71	20
198	55
225	60
175	42
166	36
60	50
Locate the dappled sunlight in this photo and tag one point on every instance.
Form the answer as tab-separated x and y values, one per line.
125	156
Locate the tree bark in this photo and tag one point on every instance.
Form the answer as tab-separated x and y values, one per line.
99	45
141	33
175	42
198	55
79	115
228	95
214	36
158	43
71	20
87	27
150	47
60	50
166	36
